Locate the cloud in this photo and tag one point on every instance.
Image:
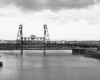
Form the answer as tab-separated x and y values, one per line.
70	24
24	4
59	4
48	4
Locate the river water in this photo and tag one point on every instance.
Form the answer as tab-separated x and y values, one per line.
55	65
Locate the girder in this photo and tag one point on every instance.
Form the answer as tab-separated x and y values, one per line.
39	46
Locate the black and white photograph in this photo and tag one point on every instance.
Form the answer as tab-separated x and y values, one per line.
49	39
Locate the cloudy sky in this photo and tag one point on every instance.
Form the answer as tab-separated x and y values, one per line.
66	19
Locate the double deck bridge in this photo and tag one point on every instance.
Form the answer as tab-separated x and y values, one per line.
42	43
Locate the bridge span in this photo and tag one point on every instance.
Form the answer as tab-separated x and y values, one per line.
30	45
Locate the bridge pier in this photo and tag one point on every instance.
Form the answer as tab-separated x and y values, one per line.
79	51
1	64
44	37
21	45
20	37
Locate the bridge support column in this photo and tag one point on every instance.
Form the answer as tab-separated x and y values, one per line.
1	64
44	37
21	40
79	51
22	47
20	37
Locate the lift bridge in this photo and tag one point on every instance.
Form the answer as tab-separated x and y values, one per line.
40	43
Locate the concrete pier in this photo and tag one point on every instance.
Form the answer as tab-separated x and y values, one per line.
94	53
1	64
79	51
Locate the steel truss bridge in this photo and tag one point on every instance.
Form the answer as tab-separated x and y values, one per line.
41	43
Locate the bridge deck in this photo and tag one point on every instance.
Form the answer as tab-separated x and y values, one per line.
41	46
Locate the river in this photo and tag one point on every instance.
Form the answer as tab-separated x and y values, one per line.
55	65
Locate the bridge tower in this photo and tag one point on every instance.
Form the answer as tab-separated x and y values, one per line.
20	34
46	36
20	37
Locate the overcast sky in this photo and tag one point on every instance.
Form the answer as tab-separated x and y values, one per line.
66	19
